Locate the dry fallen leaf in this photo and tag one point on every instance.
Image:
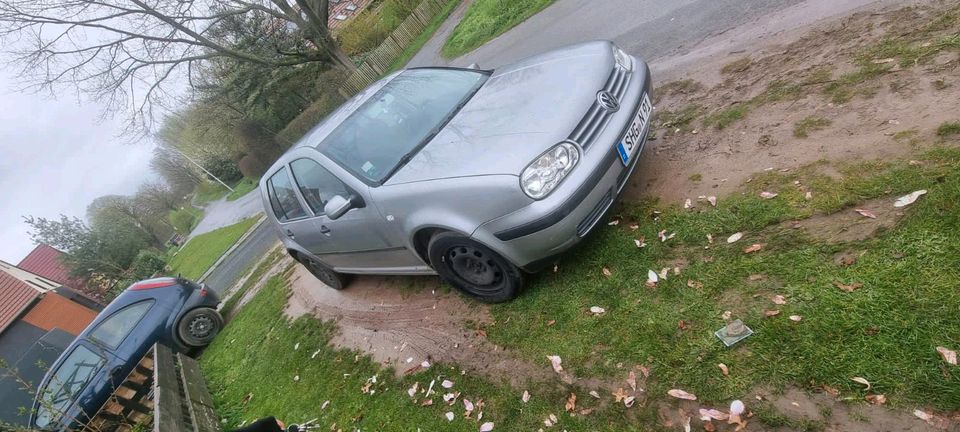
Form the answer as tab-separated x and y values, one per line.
724	369
923	415
449	416
555	362
614	222
756	247
680	394
768	195
830	390
632	380
909	198
467	405
682	325
571	402
619	395
526	396
446	384
866	213
551	322
863	381
779	299
634	227
486	427
733	238
796	318
713	414
848	288
597	310
756	277
595	394
694	284
770	313
640	242
808	196
427	402
948	355
629	401
876	399
644	370
606	272
688	203
712	200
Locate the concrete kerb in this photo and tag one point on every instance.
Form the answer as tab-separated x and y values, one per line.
232	248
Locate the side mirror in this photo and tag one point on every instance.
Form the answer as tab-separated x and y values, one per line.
337	206
473	66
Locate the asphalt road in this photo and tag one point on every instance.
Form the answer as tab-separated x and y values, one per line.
648	28
235	265
221	213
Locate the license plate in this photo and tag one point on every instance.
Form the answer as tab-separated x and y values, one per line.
634	136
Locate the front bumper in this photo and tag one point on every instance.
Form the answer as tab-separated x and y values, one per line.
533	236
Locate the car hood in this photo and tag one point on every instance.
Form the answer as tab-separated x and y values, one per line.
521	111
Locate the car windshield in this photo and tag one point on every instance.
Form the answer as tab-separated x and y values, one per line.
72	376
394	123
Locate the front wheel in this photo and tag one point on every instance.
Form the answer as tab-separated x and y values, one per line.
332	279
199	326
473	268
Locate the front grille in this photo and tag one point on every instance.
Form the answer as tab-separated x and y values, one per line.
591	219
597	118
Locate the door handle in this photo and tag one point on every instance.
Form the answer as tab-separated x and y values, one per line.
324	229
290	234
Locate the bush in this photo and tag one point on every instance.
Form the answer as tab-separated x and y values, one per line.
225	169
370	28
146	264
252	167
310	117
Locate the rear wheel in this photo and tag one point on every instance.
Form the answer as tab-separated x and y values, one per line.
330	278
473	268
199	326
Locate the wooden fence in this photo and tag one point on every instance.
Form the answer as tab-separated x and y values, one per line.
379	60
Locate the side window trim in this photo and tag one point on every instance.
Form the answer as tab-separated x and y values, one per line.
94	340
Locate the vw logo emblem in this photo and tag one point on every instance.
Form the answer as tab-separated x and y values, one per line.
608	101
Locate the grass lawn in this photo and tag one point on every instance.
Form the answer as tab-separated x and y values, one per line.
886	331
202	251
242	188
487	19
427	33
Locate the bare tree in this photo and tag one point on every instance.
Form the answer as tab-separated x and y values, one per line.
134	53
175	170
156	198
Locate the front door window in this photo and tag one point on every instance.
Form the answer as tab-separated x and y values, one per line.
283	198
316	184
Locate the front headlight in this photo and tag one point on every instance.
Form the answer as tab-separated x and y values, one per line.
546	172
623	59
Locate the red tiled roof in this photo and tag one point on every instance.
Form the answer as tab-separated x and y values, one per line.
57	311
15	296
44	261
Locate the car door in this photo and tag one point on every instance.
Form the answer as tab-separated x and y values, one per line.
355	241
295	221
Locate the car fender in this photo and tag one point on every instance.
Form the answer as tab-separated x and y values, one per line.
460	204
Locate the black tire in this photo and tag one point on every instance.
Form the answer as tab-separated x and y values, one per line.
198	327
330	278
473	268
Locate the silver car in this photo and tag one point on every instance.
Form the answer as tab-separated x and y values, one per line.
478	176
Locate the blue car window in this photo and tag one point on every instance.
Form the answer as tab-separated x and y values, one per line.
65	383
111	331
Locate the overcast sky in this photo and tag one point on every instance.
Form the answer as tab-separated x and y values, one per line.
56	156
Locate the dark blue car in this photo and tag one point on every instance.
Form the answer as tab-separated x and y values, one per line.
173	311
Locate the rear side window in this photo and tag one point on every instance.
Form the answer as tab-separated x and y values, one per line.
283	198
112	330
65	383
316	183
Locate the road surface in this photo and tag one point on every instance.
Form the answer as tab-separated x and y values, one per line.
648	28
221	213
241	260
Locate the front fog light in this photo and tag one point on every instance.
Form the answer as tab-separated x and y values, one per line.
546	172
